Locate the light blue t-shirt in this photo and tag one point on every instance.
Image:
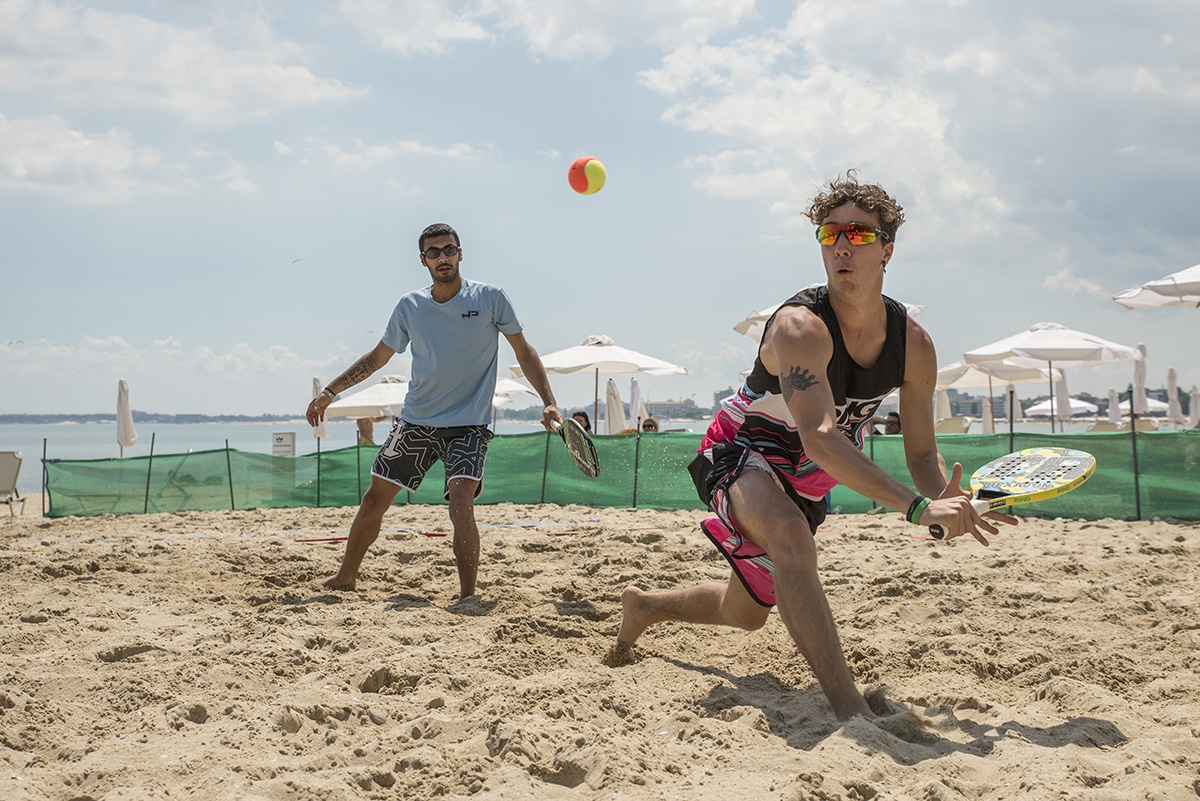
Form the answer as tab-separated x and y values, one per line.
455	351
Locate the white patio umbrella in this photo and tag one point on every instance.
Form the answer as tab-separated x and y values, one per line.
753	325
1174	409
957	375
1051	344
383	399
1050	406
614	409
126	435
321	429
506	393
599	354
1114	407
1177	289
1193	420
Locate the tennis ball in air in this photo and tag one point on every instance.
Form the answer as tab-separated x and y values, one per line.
586	175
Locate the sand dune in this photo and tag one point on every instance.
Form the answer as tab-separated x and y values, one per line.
193	656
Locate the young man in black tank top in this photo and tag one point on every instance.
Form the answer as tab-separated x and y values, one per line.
764	481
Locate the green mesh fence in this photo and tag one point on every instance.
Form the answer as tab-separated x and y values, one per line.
646	471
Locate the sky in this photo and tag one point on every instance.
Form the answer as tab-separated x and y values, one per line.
218	201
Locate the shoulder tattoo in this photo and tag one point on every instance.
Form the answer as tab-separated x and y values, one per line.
796	379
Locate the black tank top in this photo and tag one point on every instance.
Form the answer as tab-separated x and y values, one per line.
857	391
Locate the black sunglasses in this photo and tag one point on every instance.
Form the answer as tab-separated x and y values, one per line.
433	253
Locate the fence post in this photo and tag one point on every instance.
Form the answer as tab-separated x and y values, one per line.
229	471
1137	484
149	467
545	467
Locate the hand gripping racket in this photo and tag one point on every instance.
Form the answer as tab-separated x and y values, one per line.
1034	474
580	446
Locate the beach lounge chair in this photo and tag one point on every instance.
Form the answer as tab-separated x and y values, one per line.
952	425
1102	425
1143	424
10	468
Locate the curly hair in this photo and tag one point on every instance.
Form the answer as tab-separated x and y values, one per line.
868	197
437	229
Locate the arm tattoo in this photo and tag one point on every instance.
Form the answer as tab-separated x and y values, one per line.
357	372
797	379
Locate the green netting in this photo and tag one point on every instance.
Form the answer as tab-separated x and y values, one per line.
647	471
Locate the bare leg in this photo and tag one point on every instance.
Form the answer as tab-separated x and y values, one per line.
712	603
363	532
772	521
466	534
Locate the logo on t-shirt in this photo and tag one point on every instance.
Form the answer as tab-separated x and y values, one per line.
471	313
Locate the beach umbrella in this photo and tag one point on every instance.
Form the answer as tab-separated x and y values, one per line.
1114	407
321	429
599	354
1174	410
1177	289
1050	344
614	409
1050	406
383	399
988	421
126	435
754	323
1193	420
506	392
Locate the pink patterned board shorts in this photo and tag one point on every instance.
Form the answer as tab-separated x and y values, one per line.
751	564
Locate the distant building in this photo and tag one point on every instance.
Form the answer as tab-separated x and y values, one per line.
679	410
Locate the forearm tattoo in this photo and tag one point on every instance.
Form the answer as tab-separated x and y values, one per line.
796	379
359	371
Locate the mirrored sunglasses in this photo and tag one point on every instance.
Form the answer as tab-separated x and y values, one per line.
856	233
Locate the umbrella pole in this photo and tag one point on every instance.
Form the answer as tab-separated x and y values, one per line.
596	400
1012	415
1050	378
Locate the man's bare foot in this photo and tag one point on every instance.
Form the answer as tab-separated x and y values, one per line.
619	654
336	582
633	623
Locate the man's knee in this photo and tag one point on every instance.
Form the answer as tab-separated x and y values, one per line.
791	542
461	496
379	497
749	618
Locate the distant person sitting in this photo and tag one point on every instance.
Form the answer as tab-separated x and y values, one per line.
583	420
366	429
650	426
891	423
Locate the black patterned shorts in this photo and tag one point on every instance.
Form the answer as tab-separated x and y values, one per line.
410	450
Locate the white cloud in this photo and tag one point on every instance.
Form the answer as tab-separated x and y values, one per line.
233	70
360	155
581	29
47	155
1066	281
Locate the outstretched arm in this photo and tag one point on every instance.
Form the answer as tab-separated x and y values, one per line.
535	373
358	372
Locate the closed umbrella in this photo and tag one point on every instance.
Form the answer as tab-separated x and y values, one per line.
1193	420
1140	404
1174	410
637	408
321	429
1012	407
1177	289
599	354
1062	400
1114	407
1050	344
126	435
941	406
614	409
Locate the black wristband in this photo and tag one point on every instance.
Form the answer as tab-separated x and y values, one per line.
916	509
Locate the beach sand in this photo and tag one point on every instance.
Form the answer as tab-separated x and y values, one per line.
192	655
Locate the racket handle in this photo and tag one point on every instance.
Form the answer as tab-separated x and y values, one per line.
938	531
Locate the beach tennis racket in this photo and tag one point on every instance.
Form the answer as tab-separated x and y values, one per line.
580	446
1028	476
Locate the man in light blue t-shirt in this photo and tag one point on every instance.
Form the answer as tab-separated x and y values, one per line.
452	328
